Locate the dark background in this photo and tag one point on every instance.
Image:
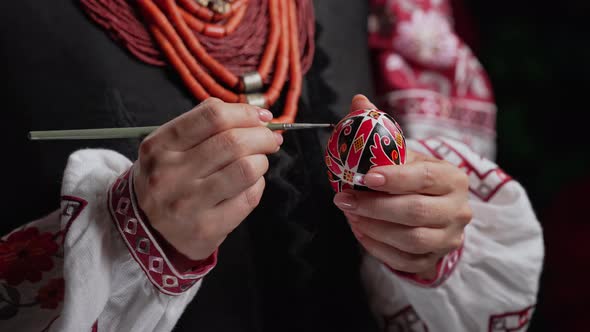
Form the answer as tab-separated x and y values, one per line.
537	55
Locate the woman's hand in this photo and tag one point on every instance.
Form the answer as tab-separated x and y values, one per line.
200	175
416	214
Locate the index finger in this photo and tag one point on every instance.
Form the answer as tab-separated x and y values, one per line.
206	120
431	177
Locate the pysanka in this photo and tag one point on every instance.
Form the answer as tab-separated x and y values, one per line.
362	140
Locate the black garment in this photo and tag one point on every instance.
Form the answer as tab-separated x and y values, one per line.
293	264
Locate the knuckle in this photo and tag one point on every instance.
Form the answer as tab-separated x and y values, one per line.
252	197
210	100
248	171
147	148
265	164
231	141
418	210
250	112
429	177
465	214
455	243
269	137
177	130
157	179
212	114
419	241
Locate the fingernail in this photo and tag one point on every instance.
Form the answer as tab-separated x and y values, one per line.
374	180
278	137
265	115
360	179
345	201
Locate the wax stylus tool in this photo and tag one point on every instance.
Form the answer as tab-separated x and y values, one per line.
139	132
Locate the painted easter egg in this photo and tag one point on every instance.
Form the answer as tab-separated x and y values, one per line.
362	140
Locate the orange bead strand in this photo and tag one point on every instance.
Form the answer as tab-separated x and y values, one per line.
175	25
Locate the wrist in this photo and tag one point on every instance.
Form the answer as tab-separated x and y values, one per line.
168	270
431	273
180	259
437	275
184	263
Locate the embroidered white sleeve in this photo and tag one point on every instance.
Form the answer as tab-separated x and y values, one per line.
494	284
109	283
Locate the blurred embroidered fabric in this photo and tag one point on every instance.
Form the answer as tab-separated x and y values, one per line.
427	77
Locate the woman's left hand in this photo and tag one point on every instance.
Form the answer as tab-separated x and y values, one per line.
415	215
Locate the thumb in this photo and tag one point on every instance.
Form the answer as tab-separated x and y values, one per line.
361	102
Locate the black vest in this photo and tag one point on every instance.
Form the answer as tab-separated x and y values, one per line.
293	265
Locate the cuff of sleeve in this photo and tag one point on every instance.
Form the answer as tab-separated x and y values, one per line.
444	268
178	259
169	271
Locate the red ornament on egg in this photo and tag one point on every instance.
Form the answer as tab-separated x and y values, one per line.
362	140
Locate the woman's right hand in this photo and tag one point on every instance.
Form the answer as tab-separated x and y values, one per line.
200	175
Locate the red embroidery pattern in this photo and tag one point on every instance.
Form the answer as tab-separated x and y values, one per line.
71	207
406	320
25	255
50	295
427	77
485	177
143	246
412	104
517	321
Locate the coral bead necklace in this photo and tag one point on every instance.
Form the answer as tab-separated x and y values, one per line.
189	35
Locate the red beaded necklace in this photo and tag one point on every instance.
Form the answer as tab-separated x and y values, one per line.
238	51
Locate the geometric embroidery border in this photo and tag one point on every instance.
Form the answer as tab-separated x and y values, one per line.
405	320
444	269
72	210
141	244
511	321
483	190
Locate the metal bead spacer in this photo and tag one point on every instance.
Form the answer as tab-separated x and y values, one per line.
252	81
220	6
256	99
